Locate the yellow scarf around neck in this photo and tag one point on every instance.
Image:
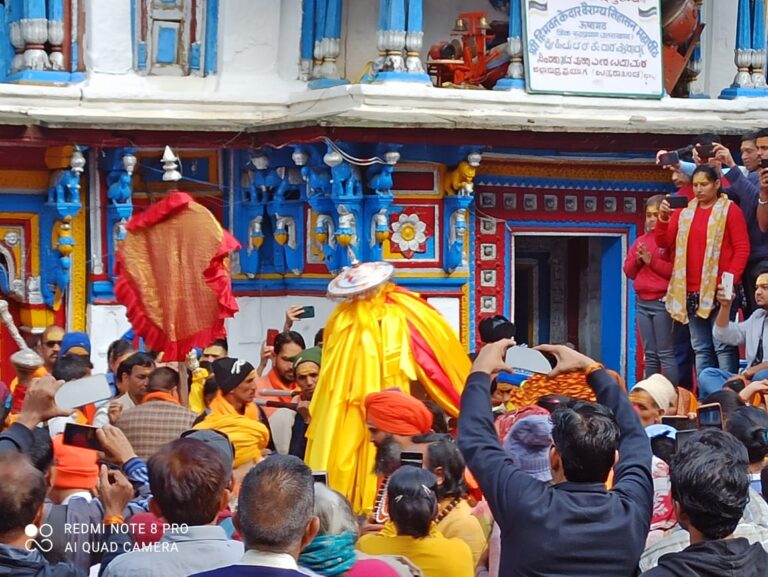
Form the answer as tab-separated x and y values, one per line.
677	292
248	435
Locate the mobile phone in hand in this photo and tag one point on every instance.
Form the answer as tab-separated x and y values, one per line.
271	336
727	281
83	436
320	477
681	438
669	158
764	163
677	201
411	459
706	151
678	422
307	312
710	416
81	392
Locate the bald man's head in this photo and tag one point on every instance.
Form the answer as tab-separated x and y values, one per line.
50	345
22	492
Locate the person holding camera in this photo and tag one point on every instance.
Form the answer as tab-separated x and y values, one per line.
575	526
709	238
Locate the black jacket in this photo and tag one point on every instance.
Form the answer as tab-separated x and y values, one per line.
569	529
16	562
723	558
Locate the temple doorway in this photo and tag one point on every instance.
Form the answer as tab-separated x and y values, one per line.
569	287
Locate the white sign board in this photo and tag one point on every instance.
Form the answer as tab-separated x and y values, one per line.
596	47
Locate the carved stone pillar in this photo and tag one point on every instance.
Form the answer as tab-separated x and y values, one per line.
515	72
34	31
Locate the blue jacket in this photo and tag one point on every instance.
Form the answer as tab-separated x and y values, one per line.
569	529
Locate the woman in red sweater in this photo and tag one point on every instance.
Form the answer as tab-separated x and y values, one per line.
709	237
650	267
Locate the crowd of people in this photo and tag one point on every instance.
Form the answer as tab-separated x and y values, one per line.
198	468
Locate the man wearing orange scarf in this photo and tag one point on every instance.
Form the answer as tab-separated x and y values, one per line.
288	345
234	413
160	418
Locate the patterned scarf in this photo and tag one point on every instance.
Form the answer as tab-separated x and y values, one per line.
330	555
677	292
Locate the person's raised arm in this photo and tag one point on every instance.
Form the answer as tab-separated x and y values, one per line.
666	226
39	406
504	485
632	472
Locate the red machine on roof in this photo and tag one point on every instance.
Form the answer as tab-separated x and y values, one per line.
467	61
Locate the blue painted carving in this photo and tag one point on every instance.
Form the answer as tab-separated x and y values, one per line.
118	163
376	213
314	172
288	233
63	205
265	179
270	216
345	178
455	219
249	222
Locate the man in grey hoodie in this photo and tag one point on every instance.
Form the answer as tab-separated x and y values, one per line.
710	489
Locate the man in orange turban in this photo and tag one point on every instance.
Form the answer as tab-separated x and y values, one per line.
394	418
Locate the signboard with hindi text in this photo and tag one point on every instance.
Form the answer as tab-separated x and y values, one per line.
594	47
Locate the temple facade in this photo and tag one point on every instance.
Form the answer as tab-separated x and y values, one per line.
488	148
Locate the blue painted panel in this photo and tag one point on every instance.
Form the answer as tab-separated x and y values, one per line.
141	56
167	45
56	10
610	301
194	56
211	37
308	30
34	9
75	56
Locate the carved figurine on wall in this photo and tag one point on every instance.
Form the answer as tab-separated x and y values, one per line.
346	234
65	188
255	234
345	178
120	191
460	181
264	180
285	231
456	234
380	175
379	227
313	171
